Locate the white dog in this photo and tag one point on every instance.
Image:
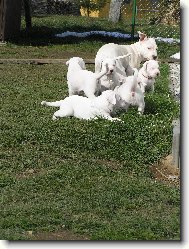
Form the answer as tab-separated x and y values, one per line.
79	79
147	75
129	93
85	108
115	75
143	50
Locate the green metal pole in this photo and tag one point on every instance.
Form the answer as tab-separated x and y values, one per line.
133	19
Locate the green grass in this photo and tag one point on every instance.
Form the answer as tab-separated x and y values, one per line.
91	177
41	42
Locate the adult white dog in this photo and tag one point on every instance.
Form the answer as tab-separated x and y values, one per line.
85	108
147	75
81	80
143	50
129	93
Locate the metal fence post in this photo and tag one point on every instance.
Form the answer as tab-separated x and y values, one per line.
176	143
133	20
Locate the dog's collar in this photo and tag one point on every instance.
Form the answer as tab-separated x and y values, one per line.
147	77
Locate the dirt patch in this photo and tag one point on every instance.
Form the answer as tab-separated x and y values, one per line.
165	171
114	165
30	173
60	235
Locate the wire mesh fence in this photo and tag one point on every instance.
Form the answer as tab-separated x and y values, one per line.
162	15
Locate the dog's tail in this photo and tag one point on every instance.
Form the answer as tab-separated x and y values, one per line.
134	82
53	104
102	73
123	56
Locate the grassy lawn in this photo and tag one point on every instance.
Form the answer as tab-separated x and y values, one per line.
91	178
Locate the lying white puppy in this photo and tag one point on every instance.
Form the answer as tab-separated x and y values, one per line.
85	108
115	75
79	79
147	75
143	50
129	93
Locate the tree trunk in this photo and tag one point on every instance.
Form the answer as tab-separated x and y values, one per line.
10	19
115	8
27	14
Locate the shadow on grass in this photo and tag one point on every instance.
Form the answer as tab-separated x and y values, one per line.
45	27
42	36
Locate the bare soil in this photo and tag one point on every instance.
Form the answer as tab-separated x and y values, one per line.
165	171
59	235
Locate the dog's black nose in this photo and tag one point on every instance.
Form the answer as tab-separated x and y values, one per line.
154	57
111	71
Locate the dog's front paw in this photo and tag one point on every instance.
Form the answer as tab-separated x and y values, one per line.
54	118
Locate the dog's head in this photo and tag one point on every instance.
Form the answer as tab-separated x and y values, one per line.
74	61
148	47
112	63
151	68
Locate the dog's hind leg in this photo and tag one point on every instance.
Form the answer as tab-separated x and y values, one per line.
152	88
63	112
141	108
71	92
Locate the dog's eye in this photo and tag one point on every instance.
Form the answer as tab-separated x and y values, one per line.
149	48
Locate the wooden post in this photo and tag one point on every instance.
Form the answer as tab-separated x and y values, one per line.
176	143
10	18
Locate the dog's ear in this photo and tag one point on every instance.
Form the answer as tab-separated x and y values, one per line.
112	98
67	63
82	64
142	36
118	98
145	65
101	65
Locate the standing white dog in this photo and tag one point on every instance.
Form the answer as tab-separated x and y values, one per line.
85	108
147	75
143	50
79	79
129	93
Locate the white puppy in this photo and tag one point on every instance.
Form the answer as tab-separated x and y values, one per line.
143	50
79	79
129	93
85	108
147	75
115	75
